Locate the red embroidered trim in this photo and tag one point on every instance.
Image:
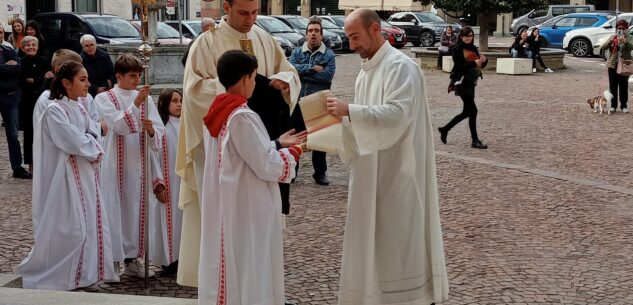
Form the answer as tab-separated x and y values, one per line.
99	222
286	172
222	280
141	231
82	199
128	118
168	211
120	149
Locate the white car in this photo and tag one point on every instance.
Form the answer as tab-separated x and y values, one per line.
581	42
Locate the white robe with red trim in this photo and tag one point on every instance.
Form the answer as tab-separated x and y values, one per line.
122	169
72	238
241	249
167	217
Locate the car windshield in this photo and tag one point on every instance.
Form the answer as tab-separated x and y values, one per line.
113	27
327	24
273	25
299	22
385	24
552	21
339	20
163	30
429	17
196	26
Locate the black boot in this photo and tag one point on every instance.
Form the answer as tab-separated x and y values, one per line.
479	145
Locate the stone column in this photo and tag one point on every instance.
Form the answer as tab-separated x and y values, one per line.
577	2
305	8
503	25
152	24
276	7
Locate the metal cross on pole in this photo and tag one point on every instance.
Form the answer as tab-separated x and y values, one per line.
145	52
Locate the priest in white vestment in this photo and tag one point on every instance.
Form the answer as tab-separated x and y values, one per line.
392	249
72	240
200	87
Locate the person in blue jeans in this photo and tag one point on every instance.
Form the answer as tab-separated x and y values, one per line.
316	65
9	103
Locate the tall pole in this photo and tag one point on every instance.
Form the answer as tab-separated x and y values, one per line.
145	50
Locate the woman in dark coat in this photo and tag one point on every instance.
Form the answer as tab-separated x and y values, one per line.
98	64
35	69
466	72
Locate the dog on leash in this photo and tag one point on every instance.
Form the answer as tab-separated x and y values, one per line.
601	103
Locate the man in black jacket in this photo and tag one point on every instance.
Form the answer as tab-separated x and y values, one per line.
98	65
9	104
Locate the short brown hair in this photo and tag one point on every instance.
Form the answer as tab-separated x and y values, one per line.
315	20
63	55
128	63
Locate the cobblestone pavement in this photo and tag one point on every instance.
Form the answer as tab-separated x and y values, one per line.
544	216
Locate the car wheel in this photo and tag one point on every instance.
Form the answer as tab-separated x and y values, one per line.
427	39
605	54
579	47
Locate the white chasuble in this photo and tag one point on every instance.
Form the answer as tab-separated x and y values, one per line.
200	87
123	168
167	217
392	250
241	252
72	239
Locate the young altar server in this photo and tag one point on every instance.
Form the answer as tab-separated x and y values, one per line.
124	164
59	57
167	219
72	240
241	251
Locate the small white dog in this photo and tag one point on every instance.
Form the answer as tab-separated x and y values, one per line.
601	103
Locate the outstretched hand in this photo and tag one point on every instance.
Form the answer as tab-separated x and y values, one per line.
291	138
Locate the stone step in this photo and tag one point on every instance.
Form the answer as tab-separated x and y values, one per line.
17	296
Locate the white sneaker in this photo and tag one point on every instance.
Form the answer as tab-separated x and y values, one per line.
548	70
136	268
612	109
625	110
533	70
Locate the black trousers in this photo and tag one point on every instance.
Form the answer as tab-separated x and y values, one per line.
467	94
439	57
617	81
538	57
319	162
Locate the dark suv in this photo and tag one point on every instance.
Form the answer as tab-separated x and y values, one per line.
63	30
422	28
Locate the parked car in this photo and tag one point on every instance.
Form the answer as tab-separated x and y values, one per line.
554	30
422	28
580	42
336	19
166	34
299	24
338	30
395	35
605	53
287	38
536	17
63	30
190	28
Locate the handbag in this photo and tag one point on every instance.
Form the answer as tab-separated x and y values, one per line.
625	66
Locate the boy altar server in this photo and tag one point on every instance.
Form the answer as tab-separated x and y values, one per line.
123	169
72	241
241	250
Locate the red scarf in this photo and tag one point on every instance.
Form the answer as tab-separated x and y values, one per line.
222	107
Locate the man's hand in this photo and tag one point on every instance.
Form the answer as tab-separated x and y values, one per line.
291	138
337	107
148	127
142	96
161	193
11	63
101	90
317	68
49	74
280	85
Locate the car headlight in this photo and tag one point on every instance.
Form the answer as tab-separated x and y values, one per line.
439	28
282	42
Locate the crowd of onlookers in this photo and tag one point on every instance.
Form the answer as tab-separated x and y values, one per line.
25	72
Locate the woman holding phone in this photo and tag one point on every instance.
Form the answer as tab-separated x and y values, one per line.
620	46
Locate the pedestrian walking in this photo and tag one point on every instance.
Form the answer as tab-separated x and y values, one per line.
466	72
